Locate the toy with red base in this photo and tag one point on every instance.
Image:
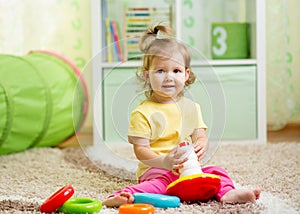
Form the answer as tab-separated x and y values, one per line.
193	184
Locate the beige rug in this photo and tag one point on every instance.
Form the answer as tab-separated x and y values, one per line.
29	177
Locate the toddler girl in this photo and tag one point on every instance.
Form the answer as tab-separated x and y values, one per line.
165	119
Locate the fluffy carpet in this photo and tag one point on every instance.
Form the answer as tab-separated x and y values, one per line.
29	177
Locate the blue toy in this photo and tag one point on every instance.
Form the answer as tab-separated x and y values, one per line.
157	200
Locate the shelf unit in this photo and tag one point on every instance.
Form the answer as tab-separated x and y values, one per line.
252	12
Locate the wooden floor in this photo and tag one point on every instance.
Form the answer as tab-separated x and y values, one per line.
291	133
83	138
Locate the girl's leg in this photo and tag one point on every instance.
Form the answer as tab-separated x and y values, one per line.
228	193
153	181
226	182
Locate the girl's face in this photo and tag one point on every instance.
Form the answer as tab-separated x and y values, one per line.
167	76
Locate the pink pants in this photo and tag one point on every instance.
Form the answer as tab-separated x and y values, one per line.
156	180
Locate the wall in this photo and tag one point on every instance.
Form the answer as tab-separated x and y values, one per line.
283	62
64	27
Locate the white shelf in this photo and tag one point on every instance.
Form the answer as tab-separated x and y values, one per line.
234	62
127	64
253	12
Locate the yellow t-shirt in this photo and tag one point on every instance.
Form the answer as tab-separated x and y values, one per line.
165	125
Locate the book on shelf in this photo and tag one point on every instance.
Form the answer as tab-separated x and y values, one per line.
113	43
116	39
103	24
108	41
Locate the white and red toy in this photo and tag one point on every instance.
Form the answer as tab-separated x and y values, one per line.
193	185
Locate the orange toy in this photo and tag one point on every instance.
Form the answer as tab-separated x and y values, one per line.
193	185
136	208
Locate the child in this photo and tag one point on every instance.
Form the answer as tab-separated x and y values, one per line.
165	119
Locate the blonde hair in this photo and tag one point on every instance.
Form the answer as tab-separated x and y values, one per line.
158	41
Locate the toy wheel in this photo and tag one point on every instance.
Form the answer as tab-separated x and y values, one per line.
81	205
136	208
57	199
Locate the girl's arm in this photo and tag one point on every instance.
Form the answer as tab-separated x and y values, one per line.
172	161
200	142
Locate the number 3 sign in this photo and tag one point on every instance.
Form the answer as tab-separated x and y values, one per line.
229	41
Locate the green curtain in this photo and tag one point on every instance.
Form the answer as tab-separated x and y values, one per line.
283	61
62	26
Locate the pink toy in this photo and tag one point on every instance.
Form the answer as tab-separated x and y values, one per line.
193	184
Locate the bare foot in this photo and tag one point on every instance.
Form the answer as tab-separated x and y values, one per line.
241	196
118	200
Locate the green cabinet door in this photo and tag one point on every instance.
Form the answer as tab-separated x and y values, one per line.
121	95
227	95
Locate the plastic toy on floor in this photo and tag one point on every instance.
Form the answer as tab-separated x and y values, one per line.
193	185
157	200
136	208
144	203
61	201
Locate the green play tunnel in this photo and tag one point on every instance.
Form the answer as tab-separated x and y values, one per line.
43	100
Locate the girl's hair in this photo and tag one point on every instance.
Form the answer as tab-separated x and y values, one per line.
159	42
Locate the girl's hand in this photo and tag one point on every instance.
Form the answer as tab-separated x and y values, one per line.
173	161
200	142
200	149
